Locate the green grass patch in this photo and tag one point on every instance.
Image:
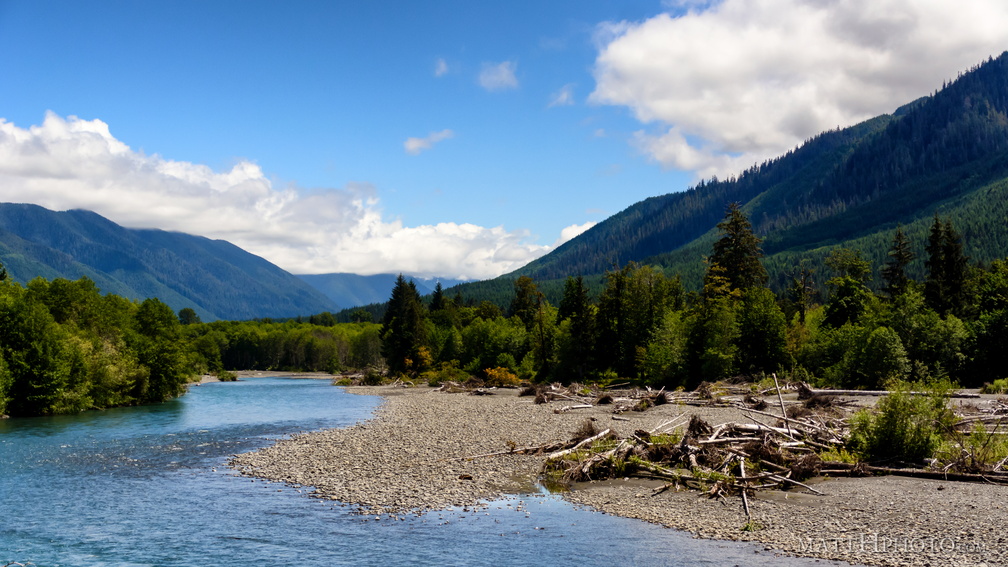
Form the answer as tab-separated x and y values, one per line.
999	386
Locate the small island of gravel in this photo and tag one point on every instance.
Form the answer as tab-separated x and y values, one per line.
416	455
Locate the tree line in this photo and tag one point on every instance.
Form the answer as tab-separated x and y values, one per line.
66	348
831	326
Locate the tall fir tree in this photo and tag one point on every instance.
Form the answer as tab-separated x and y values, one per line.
738	251
437	302
402	331
894	273
525	303
577	356
944	289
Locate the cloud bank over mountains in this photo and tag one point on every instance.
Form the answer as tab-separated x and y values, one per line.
68	163
709	87
728	84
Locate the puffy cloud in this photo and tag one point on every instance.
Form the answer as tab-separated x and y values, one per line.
500	76
726	84
571	231
440	68
414	146
74	163
563	97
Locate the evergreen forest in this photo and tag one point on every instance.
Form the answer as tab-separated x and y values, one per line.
827	327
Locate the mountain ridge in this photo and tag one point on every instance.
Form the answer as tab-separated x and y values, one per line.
214	277
853	184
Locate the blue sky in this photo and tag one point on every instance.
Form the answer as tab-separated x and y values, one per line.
457	139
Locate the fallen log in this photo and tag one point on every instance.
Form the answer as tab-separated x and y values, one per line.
565	409
745	498
884	393
837	469
780	398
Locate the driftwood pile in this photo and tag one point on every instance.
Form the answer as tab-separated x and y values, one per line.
779	446
730	458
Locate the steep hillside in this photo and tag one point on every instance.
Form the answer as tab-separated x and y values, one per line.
215	278
945	153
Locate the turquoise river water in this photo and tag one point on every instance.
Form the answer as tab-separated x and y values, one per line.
149	486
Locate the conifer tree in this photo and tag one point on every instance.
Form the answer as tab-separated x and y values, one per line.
402	331
944	289
894	272
437	302
525	303
575	307
738	251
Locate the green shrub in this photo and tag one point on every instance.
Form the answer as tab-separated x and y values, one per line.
445	372
372	378
999	386
905	426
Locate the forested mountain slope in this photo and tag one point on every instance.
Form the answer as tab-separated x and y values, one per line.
215	278
946	153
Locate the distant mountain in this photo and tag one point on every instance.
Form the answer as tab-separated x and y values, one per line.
352	290
215	278
945	154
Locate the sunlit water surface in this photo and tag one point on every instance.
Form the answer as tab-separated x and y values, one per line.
149	486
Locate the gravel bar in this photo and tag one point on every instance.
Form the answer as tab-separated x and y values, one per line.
416	456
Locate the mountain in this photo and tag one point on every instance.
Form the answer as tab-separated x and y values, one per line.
215	278
944	154
352	290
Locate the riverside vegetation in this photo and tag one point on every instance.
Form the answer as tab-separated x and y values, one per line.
66	348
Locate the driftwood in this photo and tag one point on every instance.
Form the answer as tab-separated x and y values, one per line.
566	409
782	409
883	393
860	469
705	458
587	441
745	497
769	451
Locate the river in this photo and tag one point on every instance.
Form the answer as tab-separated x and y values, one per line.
149	486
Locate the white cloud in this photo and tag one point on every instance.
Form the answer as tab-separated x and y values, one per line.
440	68
414	146
571	231
563	97
730	83
73	163
499	76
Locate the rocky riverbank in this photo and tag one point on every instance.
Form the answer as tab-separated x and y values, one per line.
425	450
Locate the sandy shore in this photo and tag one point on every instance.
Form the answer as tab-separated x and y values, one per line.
414	457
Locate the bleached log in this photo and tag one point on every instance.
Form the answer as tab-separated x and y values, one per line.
884	393
574	407
781	399
745	498
786	479
587	441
